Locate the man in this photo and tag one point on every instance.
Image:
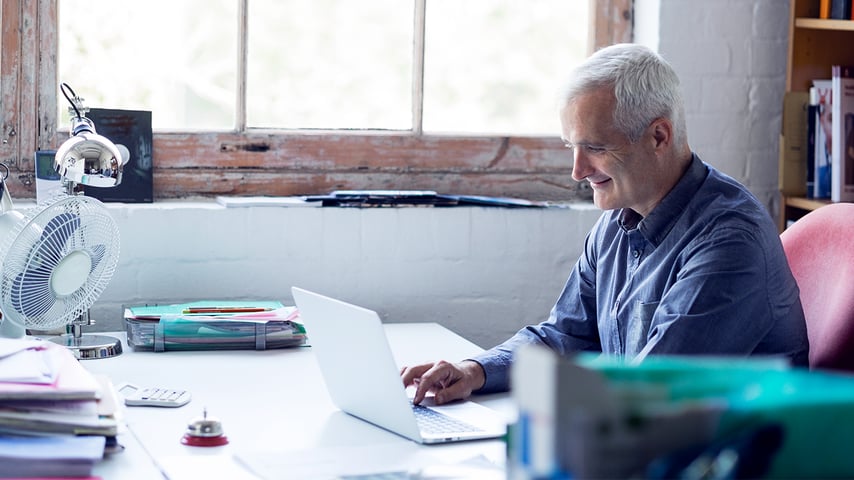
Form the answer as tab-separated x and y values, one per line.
684	260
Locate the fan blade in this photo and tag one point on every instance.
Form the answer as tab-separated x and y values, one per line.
29	285
64	224
97	254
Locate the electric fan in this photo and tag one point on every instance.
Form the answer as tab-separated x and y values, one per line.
57	259
54	263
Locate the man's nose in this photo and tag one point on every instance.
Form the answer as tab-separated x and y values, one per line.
580	166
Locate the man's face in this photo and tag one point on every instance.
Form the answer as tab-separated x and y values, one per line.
622	174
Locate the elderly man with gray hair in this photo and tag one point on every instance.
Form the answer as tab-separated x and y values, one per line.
683	261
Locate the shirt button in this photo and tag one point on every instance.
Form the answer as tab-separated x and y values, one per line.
636	253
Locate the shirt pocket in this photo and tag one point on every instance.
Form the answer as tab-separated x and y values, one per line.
638	329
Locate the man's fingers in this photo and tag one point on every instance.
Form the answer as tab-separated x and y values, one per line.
410	375
456	391
446	380
426	383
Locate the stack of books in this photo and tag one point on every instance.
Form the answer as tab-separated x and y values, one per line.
830	136
56	418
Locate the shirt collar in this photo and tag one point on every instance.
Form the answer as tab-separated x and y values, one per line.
661	219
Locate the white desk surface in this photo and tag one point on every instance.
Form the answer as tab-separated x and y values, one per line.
276	413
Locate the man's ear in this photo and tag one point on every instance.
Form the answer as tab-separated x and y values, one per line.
662	133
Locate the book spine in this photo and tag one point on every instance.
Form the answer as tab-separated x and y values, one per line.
823	138
843	134
824	9
812	122
840	9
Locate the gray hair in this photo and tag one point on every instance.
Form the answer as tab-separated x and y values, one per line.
645	86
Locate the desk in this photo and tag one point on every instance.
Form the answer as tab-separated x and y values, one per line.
268	401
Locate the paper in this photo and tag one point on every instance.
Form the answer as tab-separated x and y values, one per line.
73	381
338	462
9	346
193	467
232	202
28	365
51	456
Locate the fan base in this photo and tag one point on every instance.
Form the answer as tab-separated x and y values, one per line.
87	347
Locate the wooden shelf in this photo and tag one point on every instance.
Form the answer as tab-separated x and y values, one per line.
824	24
796	207
806	203
815	44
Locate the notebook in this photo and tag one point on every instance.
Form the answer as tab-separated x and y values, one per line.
363	379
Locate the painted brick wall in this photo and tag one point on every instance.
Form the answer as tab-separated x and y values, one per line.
731	56
483	272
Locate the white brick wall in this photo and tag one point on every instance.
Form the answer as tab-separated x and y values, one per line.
731	56
483	272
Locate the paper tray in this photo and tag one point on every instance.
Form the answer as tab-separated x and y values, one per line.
182	333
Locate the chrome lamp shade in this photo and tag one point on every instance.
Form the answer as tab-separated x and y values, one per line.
88	158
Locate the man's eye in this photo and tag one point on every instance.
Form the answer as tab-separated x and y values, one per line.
596	150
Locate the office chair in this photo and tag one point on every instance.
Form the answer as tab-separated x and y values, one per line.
820	250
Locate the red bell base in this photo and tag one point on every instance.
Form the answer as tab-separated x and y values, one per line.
194	441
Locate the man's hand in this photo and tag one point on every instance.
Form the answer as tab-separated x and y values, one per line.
447	381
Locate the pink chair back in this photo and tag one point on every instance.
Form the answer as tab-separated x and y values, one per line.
820	250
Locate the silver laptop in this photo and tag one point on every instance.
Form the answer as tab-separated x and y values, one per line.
363	379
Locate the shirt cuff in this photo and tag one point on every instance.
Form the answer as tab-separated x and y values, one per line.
496	371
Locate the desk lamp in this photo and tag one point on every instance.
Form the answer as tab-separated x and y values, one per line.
88	159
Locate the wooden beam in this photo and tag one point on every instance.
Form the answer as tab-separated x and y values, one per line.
612	22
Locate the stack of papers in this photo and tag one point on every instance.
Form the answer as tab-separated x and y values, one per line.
214	325
396	198
55	416
55	456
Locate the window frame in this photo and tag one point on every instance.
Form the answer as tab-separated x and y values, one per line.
248	161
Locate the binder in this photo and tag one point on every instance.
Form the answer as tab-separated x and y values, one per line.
214	325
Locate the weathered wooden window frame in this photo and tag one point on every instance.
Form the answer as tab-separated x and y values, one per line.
269	162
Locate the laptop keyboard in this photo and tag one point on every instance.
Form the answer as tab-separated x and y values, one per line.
431	421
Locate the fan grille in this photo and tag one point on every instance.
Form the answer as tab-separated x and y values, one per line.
57	261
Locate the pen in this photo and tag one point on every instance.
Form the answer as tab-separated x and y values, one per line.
225	309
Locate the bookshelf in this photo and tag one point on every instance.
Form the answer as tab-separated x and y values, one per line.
814	46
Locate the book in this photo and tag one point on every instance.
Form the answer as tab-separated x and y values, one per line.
131	128
824	9
840	9
842	188
812	123
823	138
793	145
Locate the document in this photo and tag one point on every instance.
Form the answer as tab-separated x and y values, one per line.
72	382
27	364
53	456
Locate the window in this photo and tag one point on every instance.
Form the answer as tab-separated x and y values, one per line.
329	64
307	96
175	58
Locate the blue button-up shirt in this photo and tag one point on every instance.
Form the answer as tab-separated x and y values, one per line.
703	273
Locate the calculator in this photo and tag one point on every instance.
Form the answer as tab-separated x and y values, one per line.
136	396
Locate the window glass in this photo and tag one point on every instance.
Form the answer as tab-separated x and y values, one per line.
491	66
330	64
175	58
495	66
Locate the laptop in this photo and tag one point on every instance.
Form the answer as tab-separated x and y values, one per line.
363	379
